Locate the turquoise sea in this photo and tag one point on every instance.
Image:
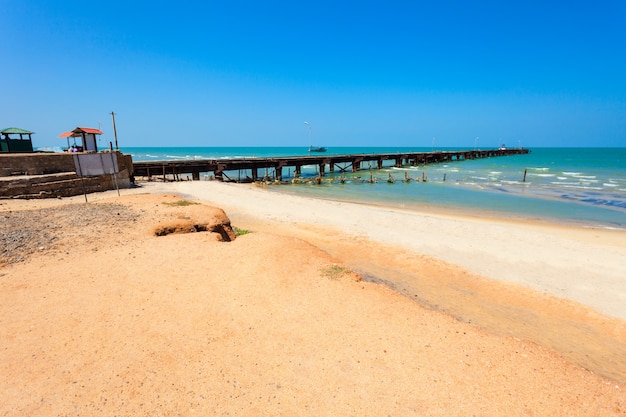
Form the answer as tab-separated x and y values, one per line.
574	185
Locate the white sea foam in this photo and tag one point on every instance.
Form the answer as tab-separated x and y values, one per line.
601	226
582	187
50	149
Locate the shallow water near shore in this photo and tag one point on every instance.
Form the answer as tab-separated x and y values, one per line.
585	186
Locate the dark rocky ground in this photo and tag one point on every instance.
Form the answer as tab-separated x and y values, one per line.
24	232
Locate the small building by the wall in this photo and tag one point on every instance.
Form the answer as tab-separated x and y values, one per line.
9	143
87	136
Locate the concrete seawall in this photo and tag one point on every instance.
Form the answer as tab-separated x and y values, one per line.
45	175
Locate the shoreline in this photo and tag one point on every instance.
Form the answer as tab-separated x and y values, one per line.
470	211
564	184
465	212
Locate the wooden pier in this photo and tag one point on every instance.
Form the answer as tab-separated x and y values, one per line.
342	163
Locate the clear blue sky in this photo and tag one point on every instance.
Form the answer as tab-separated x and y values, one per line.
242	73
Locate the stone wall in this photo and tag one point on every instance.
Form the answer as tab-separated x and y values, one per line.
48	163
42	175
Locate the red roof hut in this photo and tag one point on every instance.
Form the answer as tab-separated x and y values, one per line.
87	135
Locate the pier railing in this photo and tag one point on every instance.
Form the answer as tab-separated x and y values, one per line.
343	163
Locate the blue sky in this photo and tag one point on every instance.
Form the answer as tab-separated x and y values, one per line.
394	73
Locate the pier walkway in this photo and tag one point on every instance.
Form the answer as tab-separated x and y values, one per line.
343	163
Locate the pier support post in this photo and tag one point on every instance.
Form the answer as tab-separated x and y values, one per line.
322	168
279	173
255	174
297	171
195	175
219	172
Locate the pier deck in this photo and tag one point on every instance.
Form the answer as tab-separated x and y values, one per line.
343	163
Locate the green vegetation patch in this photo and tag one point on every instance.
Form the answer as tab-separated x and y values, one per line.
240	232
335	271
181	203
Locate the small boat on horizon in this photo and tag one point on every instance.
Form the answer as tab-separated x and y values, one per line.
317	149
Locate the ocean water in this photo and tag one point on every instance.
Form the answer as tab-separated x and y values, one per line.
574	185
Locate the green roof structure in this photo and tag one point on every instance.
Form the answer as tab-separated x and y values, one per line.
15	145
16	130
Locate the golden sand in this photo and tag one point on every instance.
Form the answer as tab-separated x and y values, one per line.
106	318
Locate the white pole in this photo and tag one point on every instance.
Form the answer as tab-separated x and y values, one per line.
310	131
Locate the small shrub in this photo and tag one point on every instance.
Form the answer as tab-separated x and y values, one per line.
240	232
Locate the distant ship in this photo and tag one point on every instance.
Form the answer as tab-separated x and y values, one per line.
317	149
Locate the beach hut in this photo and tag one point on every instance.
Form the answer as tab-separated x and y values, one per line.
13	144
87	136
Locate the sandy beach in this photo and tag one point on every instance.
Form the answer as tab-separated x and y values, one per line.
324	308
